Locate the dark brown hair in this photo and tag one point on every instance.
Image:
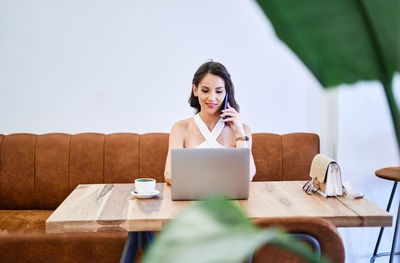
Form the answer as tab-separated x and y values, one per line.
217	69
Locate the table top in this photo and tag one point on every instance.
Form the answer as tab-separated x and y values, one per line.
111	207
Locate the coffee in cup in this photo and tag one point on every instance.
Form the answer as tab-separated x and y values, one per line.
145	185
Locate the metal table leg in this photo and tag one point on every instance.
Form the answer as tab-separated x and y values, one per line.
134	241
392	253
396	229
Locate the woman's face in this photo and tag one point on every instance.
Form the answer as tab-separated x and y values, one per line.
211	93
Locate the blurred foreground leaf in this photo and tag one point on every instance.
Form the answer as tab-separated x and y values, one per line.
343	41
215	230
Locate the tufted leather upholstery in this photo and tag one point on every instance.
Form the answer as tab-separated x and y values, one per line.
37	172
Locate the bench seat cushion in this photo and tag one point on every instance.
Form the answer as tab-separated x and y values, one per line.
23	221
23	232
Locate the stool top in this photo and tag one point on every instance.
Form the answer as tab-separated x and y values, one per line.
389	173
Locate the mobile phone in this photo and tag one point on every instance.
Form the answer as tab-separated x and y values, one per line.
226	104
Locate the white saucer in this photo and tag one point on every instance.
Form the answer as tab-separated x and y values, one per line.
156	192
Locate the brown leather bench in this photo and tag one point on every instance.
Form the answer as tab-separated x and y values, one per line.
37	172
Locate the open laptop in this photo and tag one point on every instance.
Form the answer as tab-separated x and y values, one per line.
198	173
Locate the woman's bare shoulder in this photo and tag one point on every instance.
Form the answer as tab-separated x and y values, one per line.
182	125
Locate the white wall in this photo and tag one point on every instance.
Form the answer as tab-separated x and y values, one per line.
76	66
127	66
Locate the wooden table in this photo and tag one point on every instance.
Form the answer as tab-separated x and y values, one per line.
111	207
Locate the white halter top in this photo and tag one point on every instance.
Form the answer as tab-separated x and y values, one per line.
211	137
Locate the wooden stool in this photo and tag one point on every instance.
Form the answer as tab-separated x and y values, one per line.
393	174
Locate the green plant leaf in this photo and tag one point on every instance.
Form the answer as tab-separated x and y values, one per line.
215	230
341	41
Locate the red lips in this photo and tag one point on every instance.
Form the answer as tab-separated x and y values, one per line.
211	105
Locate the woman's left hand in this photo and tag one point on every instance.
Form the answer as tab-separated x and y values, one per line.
233	119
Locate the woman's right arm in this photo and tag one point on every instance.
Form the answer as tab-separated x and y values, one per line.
176	140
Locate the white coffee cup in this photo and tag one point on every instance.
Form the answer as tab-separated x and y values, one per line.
145	185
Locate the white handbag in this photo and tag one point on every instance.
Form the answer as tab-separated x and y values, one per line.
325	176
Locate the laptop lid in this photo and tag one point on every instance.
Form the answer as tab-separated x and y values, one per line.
200	172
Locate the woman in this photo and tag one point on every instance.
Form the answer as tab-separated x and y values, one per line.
212	126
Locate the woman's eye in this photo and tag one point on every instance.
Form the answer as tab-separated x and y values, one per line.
219	92
205	91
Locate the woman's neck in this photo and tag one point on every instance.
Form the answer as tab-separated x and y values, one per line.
209	119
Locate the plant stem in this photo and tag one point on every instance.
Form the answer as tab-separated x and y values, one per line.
394	109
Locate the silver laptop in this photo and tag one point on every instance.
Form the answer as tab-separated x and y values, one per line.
198	173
